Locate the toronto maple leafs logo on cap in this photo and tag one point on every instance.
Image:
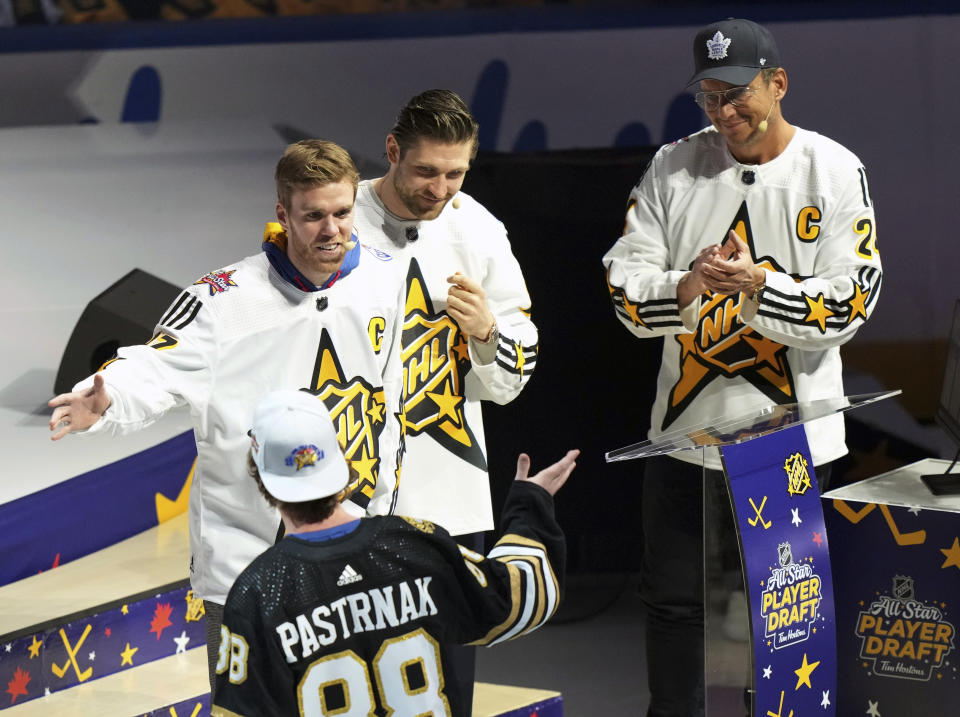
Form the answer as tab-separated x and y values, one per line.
717	46
733	51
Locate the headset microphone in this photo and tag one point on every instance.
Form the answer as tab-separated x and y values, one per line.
762	127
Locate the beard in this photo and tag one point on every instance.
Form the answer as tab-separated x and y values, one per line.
417	206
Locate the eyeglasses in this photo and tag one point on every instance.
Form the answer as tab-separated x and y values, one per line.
736	96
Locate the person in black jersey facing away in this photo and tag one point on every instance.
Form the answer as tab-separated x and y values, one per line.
357	614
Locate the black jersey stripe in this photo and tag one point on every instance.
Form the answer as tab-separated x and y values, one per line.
194	309
511	367
863	187
182	310
173	309
674	319
650	308
798	304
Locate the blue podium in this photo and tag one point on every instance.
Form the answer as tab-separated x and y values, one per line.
780	658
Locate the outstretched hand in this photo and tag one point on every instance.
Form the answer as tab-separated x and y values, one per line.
78	410
551	478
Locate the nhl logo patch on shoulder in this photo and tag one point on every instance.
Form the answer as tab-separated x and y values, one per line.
217	281
717	46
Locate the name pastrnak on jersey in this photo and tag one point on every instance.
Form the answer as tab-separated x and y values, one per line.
361	624
808	221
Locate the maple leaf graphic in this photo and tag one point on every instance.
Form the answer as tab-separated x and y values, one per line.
18	685
161	618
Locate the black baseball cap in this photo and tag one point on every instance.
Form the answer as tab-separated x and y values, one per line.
733	51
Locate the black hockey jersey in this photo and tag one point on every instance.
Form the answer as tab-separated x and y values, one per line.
360	624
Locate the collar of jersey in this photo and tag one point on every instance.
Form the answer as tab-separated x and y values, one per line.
316	536
275	247
390	216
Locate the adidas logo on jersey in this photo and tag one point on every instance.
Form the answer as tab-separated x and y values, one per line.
349	575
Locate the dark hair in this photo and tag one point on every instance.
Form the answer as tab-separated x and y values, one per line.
309	511
767	73
312	163
440	115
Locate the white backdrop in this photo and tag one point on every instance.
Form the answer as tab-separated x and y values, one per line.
82	205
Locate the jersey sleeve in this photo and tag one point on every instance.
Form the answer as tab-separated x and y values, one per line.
173	368
503	375
827	308
517	587
251	678
642	287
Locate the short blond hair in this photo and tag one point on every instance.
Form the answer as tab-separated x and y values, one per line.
312	163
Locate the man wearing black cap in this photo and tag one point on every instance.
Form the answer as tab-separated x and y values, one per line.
750	247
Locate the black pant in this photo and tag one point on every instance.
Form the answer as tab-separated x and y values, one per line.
464	657
213	617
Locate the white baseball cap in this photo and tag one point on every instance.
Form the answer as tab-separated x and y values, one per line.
294	445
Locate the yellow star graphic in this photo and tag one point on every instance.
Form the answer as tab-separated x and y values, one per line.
952	553
376	412
766	350
35	647
406	425
818	312
364	465
858	302
631	310
447	402
803	674
167	508
127	655
460	348
686	345
521	359
125	610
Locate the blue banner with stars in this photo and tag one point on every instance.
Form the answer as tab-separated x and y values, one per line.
898	603
787	570
93	646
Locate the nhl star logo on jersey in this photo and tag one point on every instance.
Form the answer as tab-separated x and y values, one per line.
217	281
717	46
348	576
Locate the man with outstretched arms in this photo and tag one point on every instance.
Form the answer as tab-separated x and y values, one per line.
355	615
314	310
750	247
467	336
